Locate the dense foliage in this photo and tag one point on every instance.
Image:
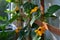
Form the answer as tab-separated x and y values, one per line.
32	13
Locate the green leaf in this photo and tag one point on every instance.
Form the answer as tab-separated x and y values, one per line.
28	6
35	16
7	11
33	19
6	35
34	26
13	18
36	38
9	21
46	15
22	34
53	17
10	0
3	18
53	9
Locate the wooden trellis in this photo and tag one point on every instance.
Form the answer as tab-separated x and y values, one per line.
42	13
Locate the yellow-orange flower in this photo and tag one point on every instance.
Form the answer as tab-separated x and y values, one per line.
34	10
40	31
18	29
17	8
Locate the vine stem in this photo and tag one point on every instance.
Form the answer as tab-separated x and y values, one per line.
29	0
42	15
29	35
19	22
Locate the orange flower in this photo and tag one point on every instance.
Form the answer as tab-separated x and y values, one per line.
18	29
17	8
40	31
34	10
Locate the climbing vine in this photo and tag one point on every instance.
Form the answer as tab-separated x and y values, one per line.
27	13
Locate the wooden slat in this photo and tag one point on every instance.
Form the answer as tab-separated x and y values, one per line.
42	13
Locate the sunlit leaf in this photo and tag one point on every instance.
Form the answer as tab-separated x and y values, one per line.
3	18
8	0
